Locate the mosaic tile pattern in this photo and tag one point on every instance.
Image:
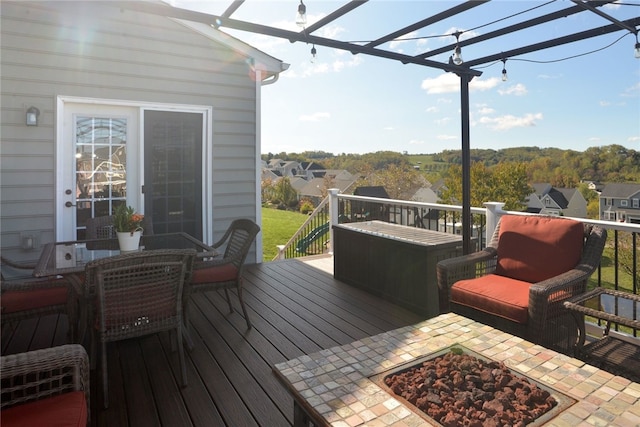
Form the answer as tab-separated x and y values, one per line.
335	383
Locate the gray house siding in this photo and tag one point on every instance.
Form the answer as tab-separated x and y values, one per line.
53	49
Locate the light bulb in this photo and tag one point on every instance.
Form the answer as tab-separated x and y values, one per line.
457	56
313	53
301	16
637	50
504	75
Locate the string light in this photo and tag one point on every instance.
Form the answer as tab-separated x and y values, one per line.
457	53
313	53
301	16
637	48
504	70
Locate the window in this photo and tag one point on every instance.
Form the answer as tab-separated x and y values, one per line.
635	203
624	203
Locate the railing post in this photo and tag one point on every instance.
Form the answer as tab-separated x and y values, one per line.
281	251
333	214
494	212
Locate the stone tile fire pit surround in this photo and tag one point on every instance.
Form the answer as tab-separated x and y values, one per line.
333	386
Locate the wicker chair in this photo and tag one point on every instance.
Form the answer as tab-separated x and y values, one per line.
226	272
27	298
15	269
101	227
46	387
519	281
139	294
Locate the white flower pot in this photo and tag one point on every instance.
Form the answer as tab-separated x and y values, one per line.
129	242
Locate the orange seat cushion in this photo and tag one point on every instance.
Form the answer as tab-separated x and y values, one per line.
17	301
533	249
221	273
68	409
497	295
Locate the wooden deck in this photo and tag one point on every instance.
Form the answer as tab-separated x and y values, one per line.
296	307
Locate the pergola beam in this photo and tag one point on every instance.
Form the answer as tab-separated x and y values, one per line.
511	29
428	21
335	15
595	32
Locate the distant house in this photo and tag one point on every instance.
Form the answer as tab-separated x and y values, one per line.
309	179
369	210
548	200
286	168
594	186
131	107
620	202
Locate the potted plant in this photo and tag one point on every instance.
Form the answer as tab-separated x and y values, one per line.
128	225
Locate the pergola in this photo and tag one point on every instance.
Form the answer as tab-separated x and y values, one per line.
536	17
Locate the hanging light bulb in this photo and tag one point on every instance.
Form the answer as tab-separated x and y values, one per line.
637	48
504	70
457	53
301	16
313	53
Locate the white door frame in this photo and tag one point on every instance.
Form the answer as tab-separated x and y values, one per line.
63	147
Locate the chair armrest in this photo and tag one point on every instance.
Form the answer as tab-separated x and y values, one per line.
546	298
32	284
42	373
451	270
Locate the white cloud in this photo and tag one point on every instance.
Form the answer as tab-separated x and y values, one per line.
398	43
605	103
632	90
633	138
517	90
481	85
315	117
595	139
388	128
432	110
416	142
443	121
549	76
444	83
339	65
446	137
508	121
486	111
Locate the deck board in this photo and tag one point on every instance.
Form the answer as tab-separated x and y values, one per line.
296	307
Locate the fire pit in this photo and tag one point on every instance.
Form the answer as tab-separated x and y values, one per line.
457	386
343	385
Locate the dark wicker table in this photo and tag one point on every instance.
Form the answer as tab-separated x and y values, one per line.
69	259
615	354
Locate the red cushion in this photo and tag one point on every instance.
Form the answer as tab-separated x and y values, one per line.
534	249
16	301
68	409
497	295
221	273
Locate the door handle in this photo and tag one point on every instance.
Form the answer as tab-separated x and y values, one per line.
69	204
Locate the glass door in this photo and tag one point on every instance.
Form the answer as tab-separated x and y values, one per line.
101	167
173	183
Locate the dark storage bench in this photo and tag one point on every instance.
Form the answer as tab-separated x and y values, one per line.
393	261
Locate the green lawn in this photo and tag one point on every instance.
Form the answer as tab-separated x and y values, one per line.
277	228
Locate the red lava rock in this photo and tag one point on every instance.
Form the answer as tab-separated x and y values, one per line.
461	390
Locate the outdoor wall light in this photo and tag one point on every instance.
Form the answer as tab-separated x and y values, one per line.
32	116
301	16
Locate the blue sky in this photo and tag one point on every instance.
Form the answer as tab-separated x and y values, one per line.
344	103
